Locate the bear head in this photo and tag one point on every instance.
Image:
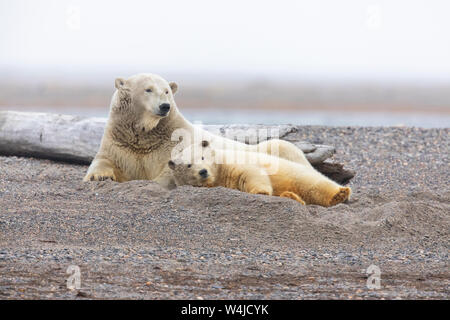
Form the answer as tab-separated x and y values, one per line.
147	96
194	166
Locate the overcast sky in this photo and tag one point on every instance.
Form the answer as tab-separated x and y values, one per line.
328	39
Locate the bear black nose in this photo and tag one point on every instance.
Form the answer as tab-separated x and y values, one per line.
203	173
164	108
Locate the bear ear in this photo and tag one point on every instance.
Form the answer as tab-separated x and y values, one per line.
205	143
171	164
173	87
119	83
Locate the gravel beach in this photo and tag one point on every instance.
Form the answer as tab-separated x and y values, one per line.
136	240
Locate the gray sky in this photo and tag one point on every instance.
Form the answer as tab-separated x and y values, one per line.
327	39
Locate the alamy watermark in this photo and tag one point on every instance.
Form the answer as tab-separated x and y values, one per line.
374	279
374	17
74	280
191	146
73	17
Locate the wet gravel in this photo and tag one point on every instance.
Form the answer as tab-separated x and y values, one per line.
136	240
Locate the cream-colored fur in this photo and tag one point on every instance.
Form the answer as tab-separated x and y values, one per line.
256	173
138	140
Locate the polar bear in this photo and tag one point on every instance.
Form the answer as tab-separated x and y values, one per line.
256	173
144	127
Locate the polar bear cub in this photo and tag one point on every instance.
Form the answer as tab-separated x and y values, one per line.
255	173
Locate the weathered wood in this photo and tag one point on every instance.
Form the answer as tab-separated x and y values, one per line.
335	171
50	136
77	139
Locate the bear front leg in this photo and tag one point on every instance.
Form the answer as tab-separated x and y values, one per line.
256	181
166	179
102	169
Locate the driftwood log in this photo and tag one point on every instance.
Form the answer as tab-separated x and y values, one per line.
76	139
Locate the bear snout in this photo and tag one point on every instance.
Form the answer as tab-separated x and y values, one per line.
164	109
203	173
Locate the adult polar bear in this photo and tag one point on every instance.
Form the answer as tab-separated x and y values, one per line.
143	128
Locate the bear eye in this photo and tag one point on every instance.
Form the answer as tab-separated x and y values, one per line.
189	165
167	92
148	90
203	158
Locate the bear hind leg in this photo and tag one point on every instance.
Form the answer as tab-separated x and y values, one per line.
283	149
341	196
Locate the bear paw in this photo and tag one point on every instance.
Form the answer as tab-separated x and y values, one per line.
342	195
267	192
293	196
100	176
